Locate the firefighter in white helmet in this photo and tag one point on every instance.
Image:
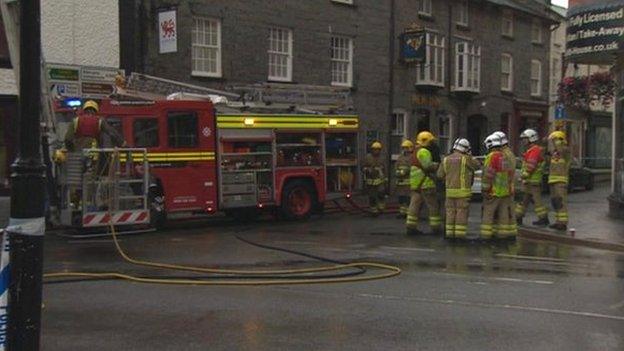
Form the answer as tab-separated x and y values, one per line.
375	179
422	184
533	161
511	161
497	191
457	169
402	176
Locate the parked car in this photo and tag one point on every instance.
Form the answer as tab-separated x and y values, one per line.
580	178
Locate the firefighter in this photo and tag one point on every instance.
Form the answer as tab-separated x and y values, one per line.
497	191
375	179
87	129
532	174
558	174
402	174
457	169
422	185
511	160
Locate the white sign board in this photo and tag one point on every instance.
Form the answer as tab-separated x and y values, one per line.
81	81
167	31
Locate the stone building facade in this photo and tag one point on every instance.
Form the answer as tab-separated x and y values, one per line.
324	44
492	60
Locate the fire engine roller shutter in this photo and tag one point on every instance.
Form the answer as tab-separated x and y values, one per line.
288	121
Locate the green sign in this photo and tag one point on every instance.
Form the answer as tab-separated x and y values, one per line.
64	74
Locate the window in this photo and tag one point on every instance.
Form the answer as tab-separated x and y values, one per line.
425	7
206	47
182	129
462	13
444	126
536	78
431	72
508	28
555	71
399	123
280	54
467	67
145	132
506	72
536	32
342	61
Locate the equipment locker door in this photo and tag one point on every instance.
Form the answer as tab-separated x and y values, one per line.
191	144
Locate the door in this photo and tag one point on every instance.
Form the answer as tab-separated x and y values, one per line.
477	127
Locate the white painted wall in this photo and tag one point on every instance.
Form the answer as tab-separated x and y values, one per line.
80	32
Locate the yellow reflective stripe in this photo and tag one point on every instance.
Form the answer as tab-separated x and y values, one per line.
458	193
462	174
172	156
288	121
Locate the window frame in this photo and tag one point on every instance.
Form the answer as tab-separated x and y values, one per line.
539	78
470	58
219	72
425	8
510	79
536	24
463	19
349	62
507	15
437	50
402	114
288	54
134	130
176	114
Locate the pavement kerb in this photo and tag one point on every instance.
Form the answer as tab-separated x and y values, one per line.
543	235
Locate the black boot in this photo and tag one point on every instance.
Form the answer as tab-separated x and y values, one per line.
412	231
559	226
542	222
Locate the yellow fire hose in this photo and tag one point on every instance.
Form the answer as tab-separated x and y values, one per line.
390	271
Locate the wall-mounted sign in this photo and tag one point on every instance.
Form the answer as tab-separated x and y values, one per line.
80	81
413	45
167	31
425	100
595	31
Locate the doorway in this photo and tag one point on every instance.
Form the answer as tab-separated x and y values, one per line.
475	133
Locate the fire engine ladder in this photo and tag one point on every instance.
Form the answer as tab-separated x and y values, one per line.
148	87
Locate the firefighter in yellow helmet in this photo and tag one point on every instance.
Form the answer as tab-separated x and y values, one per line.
422	185
558	177
457	169
87	129
375	179
402	176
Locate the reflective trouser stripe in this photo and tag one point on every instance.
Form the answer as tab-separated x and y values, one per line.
435	221
411	221
460	230
403	209
561	217
541	211
487	230
450	230
520	210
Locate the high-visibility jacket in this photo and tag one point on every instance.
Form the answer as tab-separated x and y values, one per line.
457	169
560	159
497	175
422	165
402	170
87	126
374	170
533	165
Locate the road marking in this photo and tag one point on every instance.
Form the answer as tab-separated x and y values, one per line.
502	279
94	241
418	249
500	306
536	258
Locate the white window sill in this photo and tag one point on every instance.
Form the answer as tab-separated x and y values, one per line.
342	85
468	90
507	35
279	79
507	90
425	14
205	74
430	83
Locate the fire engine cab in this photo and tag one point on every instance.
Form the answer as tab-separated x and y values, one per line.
183	158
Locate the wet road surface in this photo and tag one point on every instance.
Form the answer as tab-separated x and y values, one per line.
450	296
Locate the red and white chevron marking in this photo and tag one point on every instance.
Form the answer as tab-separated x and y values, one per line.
98	219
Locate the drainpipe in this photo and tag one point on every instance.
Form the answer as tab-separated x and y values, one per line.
391	56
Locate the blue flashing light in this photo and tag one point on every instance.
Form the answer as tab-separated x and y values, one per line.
72	103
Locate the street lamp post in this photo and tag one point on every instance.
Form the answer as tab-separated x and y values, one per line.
27	222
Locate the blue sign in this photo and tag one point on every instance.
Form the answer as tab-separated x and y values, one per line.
414	46
560	112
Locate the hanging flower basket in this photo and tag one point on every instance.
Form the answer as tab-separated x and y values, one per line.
581	92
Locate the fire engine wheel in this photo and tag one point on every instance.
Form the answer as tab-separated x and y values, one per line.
298	201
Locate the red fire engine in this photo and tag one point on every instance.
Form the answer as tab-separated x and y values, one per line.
184	159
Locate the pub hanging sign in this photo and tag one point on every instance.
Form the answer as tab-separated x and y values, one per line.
413	45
